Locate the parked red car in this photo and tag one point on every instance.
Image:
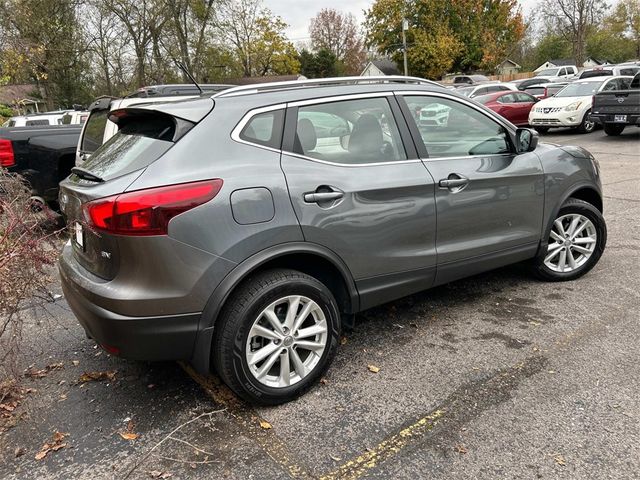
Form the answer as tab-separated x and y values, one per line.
514	106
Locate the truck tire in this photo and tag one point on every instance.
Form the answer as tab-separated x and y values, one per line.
613	129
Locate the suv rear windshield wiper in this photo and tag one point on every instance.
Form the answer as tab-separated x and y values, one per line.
86	174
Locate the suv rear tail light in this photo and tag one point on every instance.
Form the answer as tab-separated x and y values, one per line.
148	212
7	158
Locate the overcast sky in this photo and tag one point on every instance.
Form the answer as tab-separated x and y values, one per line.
298	13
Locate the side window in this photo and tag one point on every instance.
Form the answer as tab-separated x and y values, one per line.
33	123
524	98
264	129
610	85
563	71
457	130
624	83
508	98
350	132
481	91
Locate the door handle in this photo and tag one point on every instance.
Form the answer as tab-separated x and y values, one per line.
320	197
454	181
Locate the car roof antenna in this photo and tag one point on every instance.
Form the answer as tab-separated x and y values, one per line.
182	67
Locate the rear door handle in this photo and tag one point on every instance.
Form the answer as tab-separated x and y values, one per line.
319	197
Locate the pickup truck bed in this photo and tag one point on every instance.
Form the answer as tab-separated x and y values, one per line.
43	155
617	109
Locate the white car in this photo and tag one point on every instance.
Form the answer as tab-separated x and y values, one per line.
558	74
571	106
485	88
36	119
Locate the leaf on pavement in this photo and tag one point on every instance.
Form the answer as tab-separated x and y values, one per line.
373	368
129	434
109	375
265	425
560	460
53	446
159	474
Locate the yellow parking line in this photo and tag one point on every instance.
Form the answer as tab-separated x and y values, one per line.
357	467
247	418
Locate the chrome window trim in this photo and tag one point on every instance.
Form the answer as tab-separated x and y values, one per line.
339	98
235	133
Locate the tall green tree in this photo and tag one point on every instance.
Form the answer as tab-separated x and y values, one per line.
445	35
320	64
43	44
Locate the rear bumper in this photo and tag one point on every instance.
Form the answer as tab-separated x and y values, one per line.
602	118
170	337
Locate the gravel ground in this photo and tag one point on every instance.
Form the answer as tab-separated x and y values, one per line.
495	376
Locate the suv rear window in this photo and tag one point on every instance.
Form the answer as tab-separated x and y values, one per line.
94	131
137	144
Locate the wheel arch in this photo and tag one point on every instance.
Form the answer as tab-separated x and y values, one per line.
309	258
584	191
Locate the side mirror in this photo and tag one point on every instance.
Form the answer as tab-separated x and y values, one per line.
526	140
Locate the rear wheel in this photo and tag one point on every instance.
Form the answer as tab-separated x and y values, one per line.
276	336
542	130
613	129
576	242
587	125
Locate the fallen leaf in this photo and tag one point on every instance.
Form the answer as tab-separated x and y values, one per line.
159	474
54	446
109	375
335	459
55	366
461	448
324	381
129	436
75	362
19	451
373	368
265	425
414	325
560	460
343	341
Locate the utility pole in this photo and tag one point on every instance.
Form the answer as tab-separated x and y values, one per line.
405	27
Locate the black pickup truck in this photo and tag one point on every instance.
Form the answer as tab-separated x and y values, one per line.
616	109
43	155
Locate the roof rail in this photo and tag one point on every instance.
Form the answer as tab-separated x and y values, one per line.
321	82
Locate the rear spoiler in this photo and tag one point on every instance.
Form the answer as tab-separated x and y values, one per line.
192	110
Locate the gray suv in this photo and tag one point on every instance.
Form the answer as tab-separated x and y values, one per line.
241	231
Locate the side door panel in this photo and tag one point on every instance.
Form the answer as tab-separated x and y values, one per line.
382	223
493	219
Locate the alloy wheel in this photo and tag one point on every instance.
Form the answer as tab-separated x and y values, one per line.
572	241
286	341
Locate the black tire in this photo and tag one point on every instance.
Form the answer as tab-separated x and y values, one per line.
587	125
243	308
573	206
613	129
541	130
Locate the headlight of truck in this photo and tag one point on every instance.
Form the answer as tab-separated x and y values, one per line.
573	107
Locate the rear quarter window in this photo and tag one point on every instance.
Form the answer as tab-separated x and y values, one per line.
264	129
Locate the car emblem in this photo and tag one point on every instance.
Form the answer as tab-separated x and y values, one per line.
546	110
620	99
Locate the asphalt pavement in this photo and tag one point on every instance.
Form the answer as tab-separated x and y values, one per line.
498	376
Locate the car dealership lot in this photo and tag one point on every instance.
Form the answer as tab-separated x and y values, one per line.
495	376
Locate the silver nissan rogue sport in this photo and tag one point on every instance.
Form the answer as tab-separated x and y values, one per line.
240	231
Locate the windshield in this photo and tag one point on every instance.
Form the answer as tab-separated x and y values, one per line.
466	91
580	89
549	72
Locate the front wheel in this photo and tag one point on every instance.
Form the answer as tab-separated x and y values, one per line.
276	335
576	242
587	125
613	129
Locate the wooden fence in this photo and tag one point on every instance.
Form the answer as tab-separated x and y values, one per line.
511	76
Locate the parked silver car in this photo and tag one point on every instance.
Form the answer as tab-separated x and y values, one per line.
241	231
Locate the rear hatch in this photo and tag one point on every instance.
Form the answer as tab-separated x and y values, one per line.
146	132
